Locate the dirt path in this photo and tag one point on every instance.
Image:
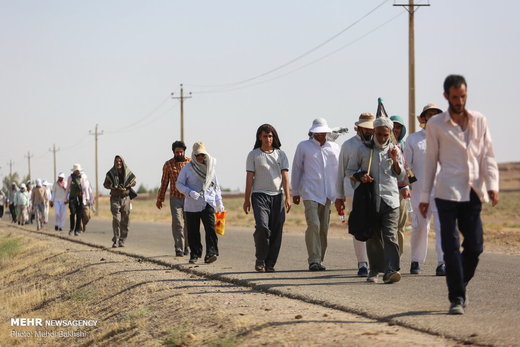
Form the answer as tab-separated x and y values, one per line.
139	303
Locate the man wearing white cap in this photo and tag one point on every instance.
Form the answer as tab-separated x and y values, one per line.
315	168
365	130
415	156
58	197
76	192
383	165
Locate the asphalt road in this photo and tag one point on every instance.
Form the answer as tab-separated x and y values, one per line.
419	301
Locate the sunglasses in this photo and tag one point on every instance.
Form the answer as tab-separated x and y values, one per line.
200	155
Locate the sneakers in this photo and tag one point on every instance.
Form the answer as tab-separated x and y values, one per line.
193	260
210	259
121	243
269	269
362	271
440	270
457	307
415	268
114	245
179	253
391	277
316	267
70	232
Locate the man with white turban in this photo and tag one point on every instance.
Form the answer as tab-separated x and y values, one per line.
381	164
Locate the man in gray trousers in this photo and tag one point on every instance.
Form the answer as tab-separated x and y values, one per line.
171	170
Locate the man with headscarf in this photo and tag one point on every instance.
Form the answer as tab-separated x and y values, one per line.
21	201
198	182
365	130
171	170
119	179
415	156
313	180
58	197
383	165
75	196
39	199
48	186
10	200
404	190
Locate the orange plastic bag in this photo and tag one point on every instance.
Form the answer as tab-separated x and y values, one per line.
220	222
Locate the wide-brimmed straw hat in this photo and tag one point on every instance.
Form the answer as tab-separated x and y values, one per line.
320	125
366	120
76	167
429	107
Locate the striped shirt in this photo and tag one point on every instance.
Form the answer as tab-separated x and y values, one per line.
171	170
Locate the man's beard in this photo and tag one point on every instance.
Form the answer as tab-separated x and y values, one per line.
179	158
458	109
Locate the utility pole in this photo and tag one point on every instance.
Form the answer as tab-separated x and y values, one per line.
96	133
181	98
411	8
11	168
29	156
54	150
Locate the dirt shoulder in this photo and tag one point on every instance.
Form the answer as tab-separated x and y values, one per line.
133	302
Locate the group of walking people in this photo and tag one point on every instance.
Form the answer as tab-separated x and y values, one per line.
444	171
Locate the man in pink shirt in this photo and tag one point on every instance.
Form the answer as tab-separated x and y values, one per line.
459	140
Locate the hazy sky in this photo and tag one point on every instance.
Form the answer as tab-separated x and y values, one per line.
67	65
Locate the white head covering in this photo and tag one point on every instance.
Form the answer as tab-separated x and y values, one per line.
383	122
38	182
205	170
75	167
320	125
61	174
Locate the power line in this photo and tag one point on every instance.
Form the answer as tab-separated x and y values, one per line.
230	84
307	64
148	115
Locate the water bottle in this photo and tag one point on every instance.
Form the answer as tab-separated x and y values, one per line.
342	216
409	206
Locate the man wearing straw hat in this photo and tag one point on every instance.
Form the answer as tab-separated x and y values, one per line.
383	165
365	130
315	168
415	156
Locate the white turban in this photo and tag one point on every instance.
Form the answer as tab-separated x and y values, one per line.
384	122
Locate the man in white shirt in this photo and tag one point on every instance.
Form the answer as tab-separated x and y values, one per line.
414	154
58	197
315	168
365	130
460	141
